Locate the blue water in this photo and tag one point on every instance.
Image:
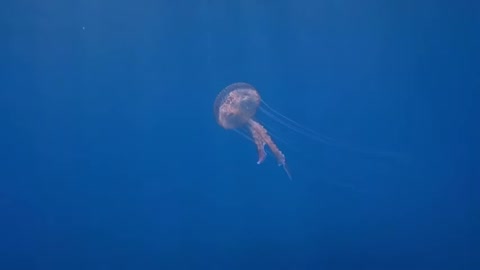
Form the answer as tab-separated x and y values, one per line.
111	158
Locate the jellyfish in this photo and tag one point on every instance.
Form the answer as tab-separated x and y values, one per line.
235	107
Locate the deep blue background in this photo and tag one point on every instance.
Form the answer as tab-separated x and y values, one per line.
110	157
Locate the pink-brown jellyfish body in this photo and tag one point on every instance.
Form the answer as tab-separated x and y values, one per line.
235	107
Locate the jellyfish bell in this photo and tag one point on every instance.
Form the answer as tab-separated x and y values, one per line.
235	105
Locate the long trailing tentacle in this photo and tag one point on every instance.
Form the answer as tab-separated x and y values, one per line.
305	131
295	126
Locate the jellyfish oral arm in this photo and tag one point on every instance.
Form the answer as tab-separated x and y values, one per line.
261	137
259	142
261	151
